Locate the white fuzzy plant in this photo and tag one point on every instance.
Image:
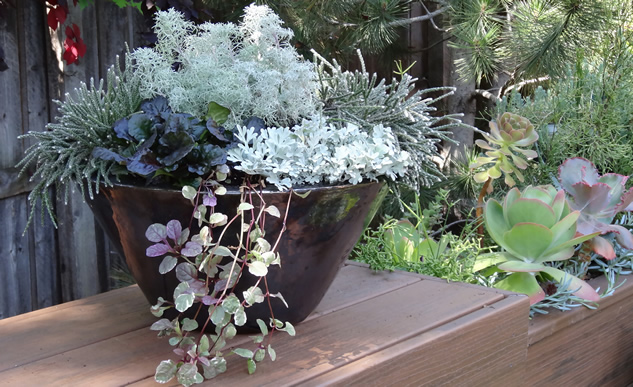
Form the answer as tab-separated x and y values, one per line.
250	68
316	152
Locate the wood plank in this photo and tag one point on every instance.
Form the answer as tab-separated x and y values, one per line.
322	343
89	314
582	346
444	356
44	333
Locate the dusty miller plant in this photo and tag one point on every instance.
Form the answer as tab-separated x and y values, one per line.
316	152
208	269
359	97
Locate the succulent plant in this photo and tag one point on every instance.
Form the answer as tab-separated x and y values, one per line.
599	199
406	243
533	227
504	145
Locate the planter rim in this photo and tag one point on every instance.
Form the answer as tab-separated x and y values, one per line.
233	189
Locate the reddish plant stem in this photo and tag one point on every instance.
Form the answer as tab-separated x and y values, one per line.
480	211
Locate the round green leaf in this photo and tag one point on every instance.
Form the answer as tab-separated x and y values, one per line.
167	264
527	240
524	283
531	211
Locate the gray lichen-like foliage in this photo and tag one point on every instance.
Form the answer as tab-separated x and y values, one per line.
360	98
317	152
62	155
250	68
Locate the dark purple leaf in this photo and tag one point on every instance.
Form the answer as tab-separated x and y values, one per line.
156	232
178	144
121	129
140	127
157	250
107	154
173	229
191	249
209	200
208	300
186	272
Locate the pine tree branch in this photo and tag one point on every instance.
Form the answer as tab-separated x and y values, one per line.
411	20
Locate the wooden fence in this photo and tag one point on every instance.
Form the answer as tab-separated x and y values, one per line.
46	266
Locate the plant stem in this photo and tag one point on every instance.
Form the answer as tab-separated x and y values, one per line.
480	211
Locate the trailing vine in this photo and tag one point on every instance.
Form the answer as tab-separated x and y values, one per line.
209	269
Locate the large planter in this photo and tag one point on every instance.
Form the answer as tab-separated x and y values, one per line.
321	230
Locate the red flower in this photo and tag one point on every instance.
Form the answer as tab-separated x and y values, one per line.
74	46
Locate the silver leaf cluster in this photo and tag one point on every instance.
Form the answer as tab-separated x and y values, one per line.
250	68
315	151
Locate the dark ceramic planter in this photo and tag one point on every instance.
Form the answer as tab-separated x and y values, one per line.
321	231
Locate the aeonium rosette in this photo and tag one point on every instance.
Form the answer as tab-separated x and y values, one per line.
508	136
533	227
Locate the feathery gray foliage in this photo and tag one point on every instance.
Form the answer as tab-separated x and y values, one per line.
62	155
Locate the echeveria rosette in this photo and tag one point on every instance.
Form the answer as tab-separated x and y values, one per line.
504	144
533	227
599	199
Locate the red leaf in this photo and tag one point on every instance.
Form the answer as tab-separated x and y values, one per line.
76	31
69	33
56	16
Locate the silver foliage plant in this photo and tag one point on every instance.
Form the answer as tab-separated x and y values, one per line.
359	97
250	68
315	152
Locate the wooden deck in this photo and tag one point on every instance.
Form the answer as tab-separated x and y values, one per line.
371	329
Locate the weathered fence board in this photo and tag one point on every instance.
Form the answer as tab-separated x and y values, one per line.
47	266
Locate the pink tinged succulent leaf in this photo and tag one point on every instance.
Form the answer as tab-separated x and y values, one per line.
538	193
625	203
509	180
531	211
524	283
483	145
579	287
519	162
528	153
517	135
521	266
602	247
519	175
623	236
506	137
591	199
484	261
575	170
527	240
494	130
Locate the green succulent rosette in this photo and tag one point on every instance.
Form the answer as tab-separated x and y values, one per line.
505	144
533	227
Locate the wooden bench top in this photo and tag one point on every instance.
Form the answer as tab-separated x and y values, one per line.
370	329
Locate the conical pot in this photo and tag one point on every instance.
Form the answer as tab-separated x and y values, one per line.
321	231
